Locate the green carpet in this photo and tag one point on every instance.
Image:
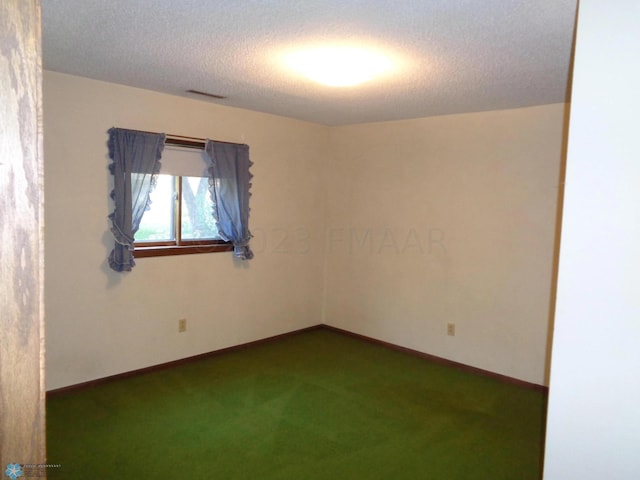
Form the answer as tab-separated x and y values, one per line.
316	405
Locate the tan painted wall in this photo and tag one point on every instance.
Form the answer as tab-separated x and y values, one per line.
448	219
391	230
100	322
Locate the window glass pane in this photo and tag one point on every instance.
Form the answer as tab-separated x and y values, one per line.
157	222
197	210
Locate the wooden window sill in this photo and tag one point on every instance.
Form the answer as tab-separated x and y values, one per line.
165	250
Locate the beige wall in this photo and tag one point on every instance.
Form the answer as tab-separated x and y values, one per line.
448	219
390	230
100	322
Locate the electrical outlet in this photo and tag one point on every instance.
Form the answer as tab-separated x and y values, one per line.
451	329
182	325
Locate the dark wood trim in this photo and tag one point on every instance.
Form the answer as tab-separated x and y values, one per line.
181	142
442	361
163	251
415	353
188	142
175	363
194	243
168	243
177	208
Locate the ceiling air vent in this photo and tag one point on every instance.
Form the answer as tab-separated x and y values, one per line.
205	94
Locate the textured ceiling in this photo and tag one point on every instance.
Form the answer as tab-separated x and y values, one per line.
457	55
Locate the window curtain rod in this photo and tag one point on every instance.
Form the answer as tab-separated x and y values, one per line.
187	142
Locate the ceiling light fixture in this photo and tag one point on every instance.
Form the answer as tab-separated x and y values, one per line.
339	66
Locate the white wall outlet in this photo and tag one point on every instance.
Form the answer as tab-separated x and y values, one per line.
451	329
182	325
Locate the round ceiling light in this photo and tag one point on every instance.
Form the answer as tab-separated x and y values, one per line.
339	66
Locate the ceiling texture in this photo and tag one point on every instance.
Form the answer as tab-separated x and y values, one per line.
454	56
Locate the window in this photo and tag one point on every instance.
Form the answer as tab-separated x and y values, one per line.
177	224
180	220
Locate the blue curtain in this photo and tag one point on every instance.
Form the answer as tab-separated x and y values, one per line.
230	182
135	162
